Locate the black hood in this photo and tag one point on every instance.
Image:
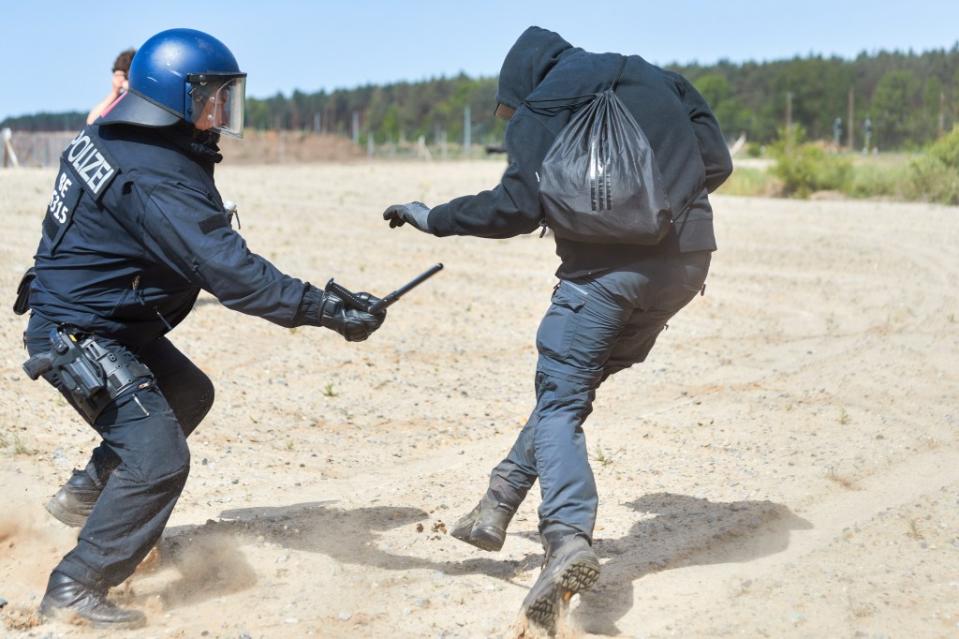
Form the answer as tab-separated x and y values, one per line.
535	53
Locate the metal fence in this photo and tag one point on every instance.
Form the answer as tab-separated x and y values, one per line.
40	149
43	149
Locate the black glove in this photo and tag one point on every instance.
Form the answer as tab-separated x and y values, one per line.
416	213
328	310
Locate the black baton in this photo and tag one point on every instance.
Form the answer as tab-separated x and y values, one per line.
406	288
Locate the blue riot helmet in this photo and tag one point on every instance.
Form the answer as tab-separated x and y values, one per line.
183	74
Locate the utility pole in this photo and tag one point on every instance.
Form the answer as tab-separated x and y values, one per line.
789	122
942	113
850	121
467	131
439	138
789	112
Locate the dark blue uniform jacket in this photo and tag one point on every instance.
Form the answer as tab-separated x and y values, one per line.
135	228
541	73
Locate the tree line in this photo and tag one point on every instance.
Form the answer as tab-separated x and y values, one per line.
910	99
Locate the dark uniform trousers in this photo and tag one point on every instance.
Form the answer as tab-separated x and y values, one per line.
593	328
142	461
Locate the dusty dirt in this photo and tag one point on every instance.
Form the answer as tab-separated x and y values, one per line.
786	464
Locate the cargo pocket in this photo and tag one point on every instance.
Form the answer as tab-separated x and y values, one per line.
560	323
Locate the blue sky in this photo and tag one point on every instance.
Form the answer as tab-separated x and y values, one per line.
57	54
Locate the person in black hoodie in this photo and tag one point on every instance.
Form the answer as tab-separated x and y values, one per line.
612	300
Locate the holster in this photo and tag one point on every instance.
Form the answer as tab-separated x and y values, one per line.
89	371
22	304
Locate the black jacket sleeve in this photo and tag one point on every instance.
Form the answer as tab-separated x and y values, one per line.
712	144
192	236
511	208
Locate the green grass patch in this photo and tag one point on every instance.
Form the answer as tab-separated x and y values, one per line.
750	182
802	168
878	180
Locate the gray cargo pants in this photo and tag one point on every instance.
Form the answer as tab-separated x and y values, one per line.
593	328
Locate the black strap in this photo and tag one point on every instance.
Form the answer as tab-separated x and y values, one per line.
622	67
549	107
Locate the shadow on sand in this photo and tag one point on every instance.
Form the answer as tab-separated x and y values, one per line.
678	531
211	562
674	531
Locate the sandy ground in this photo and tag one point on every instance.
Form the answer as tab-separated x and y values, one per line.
786	464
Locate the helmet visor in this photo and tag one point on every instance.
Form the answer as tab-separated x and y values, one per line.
218	102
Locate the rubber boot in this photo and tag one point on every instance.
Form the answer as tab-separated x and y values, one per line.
75	499
69	600
485	525
571	567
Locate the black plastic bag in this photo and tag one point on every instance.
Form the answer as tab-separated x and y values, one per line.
600	182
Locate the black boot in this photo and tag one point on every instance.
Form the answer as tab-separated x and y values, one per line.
75	499
71	601
571	566
485	526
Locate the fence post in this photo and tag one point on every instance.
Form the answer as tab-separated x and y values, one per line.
9	155
467	131
422	150
851	119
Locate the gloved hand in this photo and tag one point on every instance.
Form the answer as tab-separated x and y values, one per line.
331	312
416	213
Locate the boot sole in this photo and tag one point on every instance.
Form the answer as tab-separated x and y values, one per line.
65	516
480	538
578	577
72	617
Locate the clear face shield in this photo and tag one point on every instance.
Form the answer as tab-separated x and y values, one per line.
218	102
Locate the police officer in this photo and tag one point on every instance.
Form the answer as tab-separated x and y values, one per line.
134	230
612	299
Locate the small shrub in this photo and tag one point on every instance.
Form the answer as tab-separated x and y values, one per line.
19	448
946	149
935	176
806	167
933	181
754	150
602	456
